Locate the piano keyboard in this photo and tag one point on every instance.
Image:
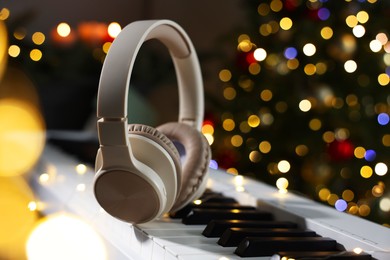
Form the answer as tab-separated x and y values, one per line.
262	221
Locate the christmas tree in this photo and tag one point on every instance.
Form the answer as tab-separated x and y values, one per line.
306	102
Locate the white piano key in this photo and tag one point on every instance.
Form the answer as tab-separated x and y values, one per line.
175	232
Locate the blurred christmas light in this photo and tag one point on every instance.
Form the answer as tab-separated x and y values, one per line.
309	49
290	53
351	21
348	195
4	13
375	45
326	33
3	47
350	66
370	155
38	38
14	51
282	184
323	13
213	164
340	205
383	79
284	166
22	136
64	236
383	118
359	152
63	29
260	54
366	171
381	169
286	23
35	55
265	147
305	105
225	75
362	17
114	29
359	31
384	204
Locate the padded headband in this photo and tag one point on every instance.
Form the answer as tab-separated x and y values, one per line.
117	69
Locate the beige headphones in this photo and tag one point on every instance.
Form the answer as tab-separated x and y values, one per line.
139	173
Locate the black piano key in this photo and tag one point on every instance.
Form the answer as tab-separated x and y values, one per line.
233	236
208	205
261	246
215	228
203	216
328	255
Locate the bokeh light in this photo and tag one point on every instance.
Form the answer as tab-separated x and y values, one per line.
22	136
63	29
3	48
63	236
114	29
16	218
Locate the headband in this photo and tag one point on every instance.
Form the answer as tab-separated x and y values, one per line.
116	73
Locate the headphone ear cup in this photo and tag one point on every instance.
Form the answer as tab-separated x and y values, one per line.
195	165
154	149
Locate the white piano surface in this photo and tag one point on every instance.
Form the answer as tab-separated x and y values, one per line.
169	239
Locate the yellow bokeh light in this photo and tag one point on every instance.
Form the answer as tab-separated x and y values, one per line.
229	93
276	5
81	169
282	184
351	21
315	124
63	29
292	64
14	51
207	129
332	198
324	194
228	124
386	140
362	17
364	210
3	48
245	46
328	137
301	150
266	95
35	55
244	127
348	195
106	47
377	191
366	171
114	29
359	152
326	33
20	33
236	140
253	121
310	69
254	156
22	136
286	23
254	68
265	147
63	236
232	171
38	38
16	218
384	204
4	13
383	79
263	9
225	75
209	138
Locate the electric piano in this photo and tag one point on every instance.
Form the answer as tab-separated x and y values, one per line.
293	222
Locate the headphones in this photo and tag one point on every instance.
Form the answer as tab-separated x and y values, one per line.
139	172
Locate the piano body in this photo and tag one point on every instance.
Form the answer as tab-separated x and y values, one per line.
62	188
